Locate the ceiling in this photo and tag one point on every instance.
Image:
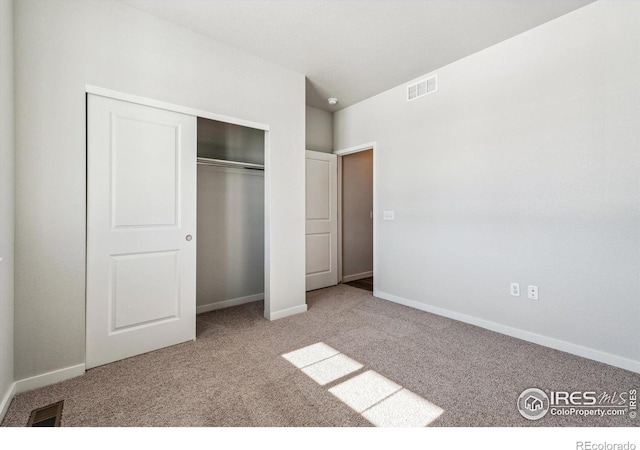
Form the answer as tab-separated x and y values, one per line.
354	49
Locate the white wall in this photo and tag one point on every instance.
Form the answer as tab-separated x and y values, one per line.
357	204
60	47
230	267
319	130
524	167
6	202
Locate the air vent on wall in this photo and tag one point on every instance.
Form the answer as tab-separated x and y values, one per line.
421	88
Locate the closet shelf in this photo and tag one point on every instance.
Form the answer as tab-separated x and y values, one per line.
227	163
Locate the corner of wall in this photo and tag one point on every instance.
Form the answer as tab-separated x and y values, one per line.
287	312
318	130
5	401
7	167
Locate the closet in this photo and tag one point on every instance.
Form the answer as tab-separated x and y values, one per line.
230	215
175	221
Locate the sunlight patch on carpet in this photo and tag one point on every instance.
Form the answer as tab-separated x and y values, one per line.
378	399
365	390
331	369
310	354
403	409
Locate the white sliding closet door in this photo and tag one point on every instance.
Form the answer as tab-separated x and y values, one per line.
322	220
141	224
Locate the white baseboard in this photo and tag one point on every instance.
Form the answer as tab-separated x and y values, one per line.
48	378
287	312
557	344
357	276
227	303
6	400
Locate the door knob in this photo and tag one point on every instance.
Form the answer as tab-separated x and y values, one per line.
189	237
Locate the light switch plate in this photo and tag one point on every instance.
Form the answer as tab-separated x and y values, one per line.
389	215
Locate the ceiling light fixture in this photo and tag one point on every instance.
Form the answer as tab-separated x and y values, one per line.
332	101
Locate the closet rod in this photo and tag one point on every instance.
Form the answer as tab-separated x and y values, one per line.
226	163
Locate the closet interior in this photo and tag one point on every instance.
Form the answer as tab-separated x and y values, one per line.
230	210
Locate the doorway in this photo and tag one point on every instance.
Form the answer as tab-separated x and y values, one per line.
356	217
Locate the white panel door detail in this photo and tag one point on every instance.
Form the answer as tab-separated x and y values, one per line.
141	229
321	220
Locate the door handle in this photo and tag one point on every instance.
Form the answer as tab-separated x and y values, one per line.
189	237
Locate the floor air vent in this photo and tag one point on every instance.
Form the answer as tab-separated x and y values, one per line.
48	416
422	88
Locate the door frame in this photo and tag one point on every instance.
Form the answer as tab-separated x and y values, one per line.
373	146
116	95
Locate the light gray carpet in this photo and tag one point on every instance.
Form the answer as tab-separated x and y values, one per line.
233	374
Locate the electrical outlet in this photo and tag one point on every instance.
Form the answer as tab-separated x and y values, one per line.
389	215
515	289
532	292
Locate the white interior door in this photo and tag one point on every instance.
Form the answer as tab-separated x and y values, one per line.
141	225
322	220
